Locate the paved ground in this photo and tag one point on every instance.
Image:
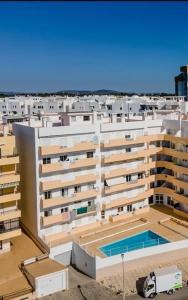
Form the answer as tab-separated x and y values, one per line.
84	288
178	295
140	268
95	291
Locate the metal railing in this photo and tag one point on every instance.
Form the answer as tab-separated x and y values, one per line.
134	246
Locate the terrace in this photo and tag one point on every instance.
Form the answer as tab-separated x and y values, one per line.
162	221
92	236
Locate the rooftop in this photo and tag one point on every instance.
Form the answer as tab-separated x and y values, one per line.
12	279
43	267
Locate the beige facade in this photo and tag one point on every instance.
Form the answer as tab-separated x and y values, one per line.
9	192
97	173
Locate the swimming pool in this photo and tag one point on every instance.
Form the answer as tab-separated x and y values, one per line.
138	241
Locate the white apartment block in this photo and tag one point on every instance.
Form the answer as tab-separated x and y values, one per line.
29	106
90	171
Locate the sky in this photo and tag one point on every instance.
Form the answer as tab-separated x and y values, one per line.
124	46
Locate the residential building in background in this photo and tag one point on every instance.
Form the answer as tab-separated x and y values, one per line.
181	83
9	192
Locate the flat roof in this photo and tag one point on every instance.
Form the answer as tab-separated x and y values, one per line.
44	267
12	279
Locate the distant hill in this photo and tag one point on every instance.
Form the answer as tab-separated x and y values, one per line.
86	92
7	94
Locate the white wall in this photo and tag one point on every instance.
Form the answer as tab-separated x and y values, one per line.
116	259
83	261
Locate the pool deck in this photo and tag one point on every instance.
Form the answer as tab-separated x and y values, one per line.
160	220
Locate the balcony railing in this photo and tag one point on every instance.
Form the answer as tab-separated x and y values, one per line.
9	225
82	211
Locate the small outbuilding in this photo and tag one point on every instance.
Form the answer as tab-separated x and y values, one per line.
46	276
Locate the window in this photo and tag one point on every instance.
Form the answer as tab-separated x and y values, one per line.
63	158
120	208
46	160
47	195
105	183
47	213
73	118
128	149
1	245
89	154
127	136
128	178
102	214
151	200
64	192
65	209
129	208
140	175
151	286
91	186
181	191
86	118
77	189
170	202
89	203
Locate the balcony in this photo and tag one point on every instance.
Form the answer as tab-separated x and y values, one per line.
126	142
83	212
9	160
8	215
56	184
126	201
178	182
58	201
172	166
128	185
175	153
10	234
51	150
181	213
55	219
123	171
9	229
9	180
176	139
131	155
64	166
10	197
171	193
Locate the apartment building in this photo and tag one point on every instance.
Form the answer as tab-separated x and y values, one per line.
181	82
91	171
9	192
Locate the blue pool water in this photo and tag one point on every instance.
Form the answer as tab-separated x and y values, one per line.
142	240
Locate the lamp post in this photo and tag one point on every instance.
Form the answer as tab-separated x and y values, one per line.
123	263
